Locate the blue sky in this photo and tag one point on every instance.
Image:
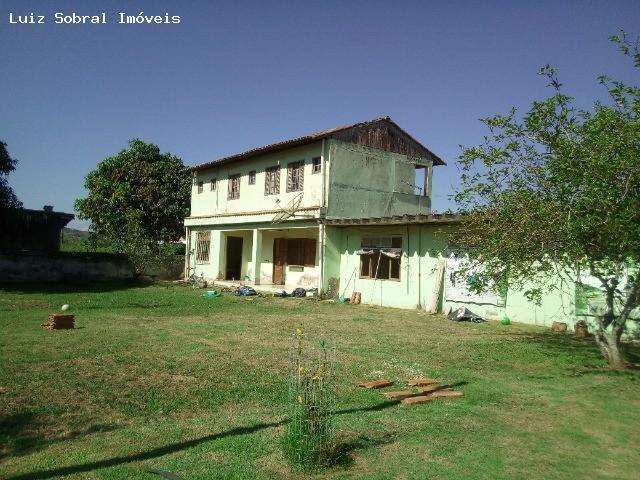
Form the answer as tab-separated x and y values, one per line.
234	75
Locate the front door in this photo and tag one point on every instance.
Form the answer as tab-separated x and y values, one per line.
234	258
279	258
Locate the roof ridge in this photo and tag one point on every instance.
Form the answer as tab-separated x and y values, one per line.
310	137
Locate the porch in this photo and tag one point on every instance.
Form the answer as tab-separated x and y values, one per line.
276	258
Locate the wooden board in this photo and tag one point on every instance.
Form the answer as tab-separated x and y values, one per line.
375	384
431	388
432	396
279	258
400	394
420	382
435	298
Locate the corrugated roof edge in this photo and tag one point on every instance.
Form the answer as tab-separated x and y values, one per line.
432	218
305	139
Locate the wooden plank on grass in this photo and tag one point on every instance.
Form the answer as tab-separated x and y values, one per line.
400	394
430	388
447	394
431	397
418	399
375	384
421	382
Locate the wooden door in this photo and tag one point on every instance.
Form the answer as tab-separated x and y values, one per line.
279	260
234	258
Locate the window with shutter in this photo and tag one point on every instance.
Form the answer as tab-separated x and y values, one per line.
234	187
203	245
310	252
295	176
272	181
301	252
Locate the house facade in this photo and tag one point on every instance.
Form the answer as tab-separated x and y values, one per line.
257	217
344	210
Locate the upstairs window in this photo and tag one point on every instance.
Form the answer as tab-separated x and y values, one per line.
234	187
252	177
380	258
200	187
316	165
214	184
295	176
272	181
203	244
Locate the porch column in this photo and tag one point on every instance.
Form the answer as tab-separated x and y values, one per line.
256	255
187	238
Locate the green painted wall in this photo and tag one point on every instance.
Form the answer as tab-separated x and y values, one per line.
367	182
424	247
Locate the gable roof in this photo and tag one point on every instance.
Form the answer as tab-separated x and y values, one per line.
352	132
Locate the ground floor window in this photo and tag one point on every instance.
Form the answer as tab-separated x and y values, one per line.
301	251
203	245
380	257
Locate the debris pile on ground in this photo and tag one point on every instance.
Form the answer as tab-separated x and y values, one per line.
463	314
245	291
421	390
59	321
298	292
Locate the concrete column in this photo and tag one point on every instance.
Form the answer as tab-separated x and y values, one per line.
321	257
216	255
256	255
187	260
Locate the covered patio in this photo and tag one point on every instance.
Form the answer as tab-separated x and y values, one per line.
274	257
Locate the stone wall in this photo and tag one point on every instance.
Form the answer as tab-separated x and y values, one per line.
21	267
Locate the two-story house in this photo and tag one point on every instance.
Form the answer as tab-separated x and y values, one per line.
259	216
344	210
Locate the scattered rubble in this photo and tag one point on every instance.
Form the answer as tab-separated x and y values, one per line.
463	314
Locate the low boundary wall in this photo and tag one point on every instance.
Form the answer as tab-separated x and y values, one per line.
22	267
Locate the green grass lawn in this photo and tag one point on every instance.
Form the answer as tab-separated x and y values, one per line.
157	377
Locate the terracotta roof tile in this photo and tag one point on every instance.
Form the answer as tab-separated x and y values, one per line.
303	140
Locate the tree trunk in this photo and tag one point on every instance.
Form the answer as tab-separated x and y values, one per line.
609	343
611	326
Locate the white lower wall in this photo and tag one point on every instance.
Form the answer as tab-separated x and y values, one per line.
214	269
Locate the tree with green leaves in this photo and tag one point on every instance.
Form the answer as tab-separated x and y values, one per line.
554	195
137	201
7	165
